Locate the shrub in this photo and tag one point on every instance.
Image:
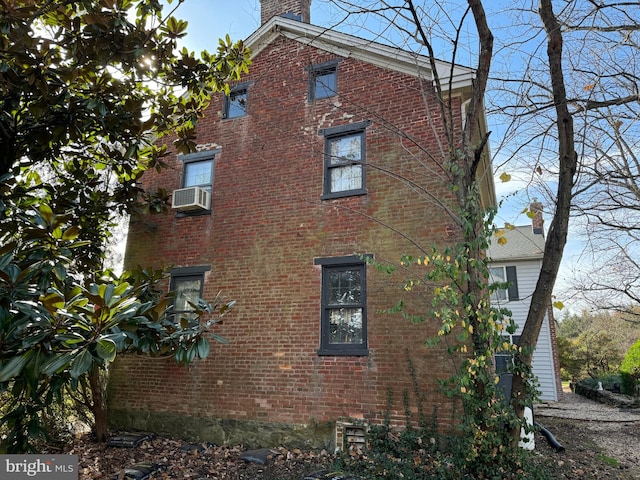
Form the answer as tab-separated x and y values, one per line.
609	382
419	452
630	369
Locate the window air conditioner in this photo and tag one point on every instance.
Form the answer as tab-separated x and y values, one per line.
191	198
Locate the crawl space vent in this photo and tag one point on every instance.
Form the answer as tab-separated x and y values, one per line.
350	436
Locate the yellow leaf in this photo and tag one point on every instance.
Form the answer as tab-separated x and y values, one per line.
558	304
505	177
502	241
589	87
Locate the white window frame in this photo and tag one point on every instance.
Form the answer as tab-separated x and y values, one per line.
510	276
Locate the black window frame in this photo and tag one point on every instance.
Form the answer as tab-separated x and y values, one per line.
320	70
228	101
190	159
186	274
335	134
511	276
336	264
503	359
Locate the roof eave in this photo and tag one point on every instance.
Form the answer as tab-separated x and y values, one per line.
350	46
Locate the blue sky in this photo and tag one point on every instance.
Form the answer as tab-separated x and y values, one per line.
210	20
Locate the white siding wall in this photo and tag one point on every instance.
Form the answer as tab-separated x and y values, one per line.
527	273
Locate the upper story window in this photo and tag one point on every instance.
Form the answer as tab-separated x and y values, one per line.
235	104
323	80
344	161
197	171
343	324
508	277
198	174
187	284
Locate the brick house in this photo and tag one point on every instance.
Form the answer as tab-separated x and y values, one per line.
296	178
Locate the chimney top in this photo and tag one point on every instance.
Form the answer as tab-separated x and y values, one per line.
296	9
537	222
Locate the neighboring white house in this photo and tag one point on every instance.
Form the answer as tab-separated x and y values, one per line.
518	261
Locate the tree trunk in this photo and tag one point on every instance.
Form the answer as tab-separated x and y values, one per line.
557	235
98	407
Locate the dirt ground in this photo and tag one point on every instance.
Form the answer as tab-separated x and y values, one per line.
600	442
593	450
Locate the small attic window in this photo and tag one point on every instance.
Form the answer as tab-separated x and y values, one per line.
323	80
235	104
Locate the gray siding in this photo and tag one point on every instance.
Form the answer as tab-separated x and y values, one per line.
543	368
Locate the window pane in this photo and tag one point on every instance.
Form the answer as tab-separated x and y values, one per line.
499	295
325	84
344	287
186	290
198	173
497	275
237	104
345	326
346	149
502	363
346	178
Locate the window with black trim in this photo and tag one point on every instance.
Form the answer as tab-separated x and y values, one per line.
187	284
344	160
323	80
197	170
505	275
504	360
235	103
343	324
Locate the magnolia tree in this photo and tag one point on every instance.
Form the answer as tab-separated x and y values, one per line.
86	90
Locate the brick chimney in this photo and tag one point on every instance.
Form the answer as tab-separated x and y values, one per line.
537	222
296	9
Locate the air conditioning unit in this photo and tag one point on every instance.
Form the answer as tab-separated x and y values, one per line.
192	198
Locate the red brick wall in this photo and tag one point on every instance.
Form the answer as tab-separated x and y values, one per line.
267	226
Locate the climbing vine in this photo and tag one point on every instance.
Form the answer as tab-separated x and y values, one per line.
457	282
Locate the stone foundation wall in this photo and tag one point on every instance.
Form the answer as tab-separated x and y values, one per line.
605	396
249	433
